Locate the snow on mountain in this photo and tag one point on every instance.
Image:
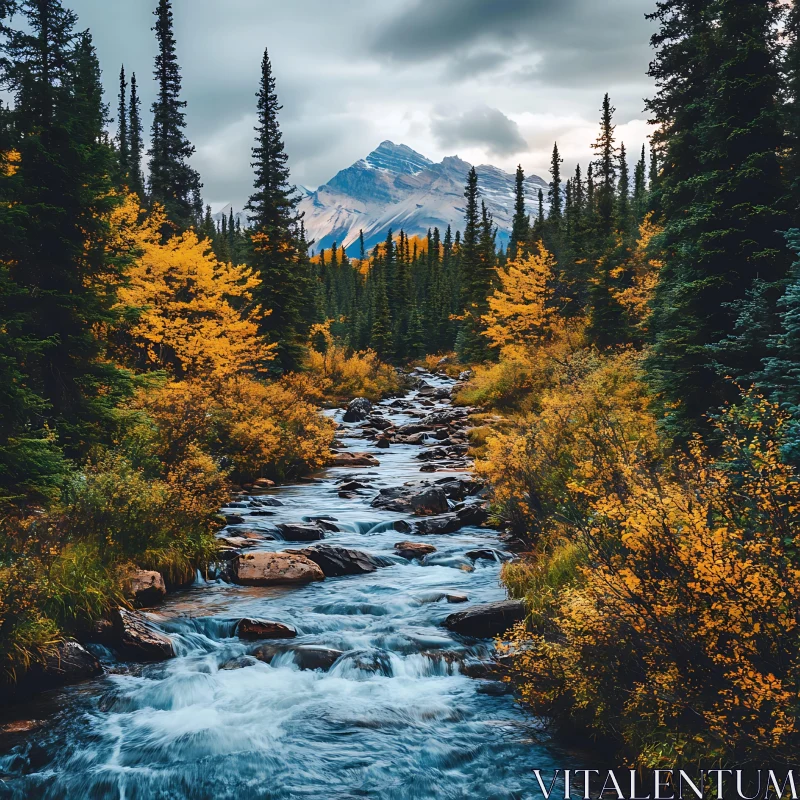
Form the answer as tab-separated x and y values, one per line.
396	187
225	212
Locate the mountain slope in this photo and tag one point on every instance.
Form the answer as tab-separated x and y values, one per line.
396	187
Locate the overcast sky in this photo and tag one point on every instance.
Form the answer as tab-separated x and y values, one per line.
493	81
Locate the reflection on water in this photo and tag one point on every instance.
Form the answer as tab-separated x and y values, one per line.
393	718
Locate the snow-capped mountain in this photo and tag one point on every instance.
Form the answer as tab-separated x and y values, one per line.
396	187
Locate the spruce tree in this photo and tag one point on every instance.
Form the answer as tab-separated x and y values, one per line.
173	183
623	205
123	143
724	199
606	169
520	225
55	229
640	188
554	193
135	139
285	283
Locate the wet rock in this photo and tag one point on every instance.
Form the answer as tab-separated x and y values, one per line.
270	569
413	428
270	501
309	657
441	524
453	597
414	438
377	662
486	621
465	375
262	513
264	629
330	527
401	526
138	640
420	500
433	454
145	588
381	423
293	532
355	460
358	410
428	468
411	550
445	417
21	726
239	663
352	486
336	561
234	519
70	663
383	444
487	554
238	504
263	483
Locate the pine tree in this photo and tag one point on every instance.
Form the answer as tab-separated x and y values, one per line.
640	188
520	225
625	221
173	183
55	233
135	139
123	143
285	283
554	193
723	196
606	165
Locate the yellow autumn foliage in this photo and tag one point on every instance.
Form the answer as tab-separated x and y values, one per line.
340	373
195	315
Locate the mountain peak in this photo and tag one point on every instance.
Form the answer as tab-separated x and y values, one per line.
397	158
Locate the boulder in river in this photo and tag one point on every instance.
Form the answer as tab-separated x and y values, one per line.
487	554
137	638
412	550
354	460
421	500
335	561
264	629
358	410
145	588
296	532
305	657
486	621
234	519
70	663
270	569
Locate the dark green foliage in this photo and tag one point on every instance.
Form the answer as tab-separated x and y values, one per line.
123	140
275	250
135	139
173	182
554	193
521	225
55	229
722	194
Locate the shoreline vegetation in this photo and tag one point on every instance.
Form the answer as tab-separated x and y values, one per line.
635	356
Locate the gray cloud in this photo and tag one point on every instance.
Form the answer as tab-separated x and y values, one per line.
482	126
351	75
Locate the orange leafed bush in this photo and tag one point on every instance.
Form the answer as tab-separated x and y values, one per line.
682	635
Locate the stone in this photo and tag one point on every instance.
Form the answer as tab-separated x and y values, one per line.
264	629
336	561
453	597
234	519
358	410
270	569
295	532
352	486
383	444
419	500
441	524
263	483
487	554
486	621
381	423
411	550
70	663
354	460
145	588
413	428
310	657
138	640
414	438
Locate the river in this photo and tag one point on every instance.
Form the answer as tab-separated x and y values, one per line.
414	728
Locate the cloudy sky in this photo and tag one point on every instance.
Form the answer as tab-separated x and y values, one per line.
493	81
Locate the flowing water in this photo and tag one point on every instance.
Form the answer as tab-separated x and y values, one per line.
412	727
